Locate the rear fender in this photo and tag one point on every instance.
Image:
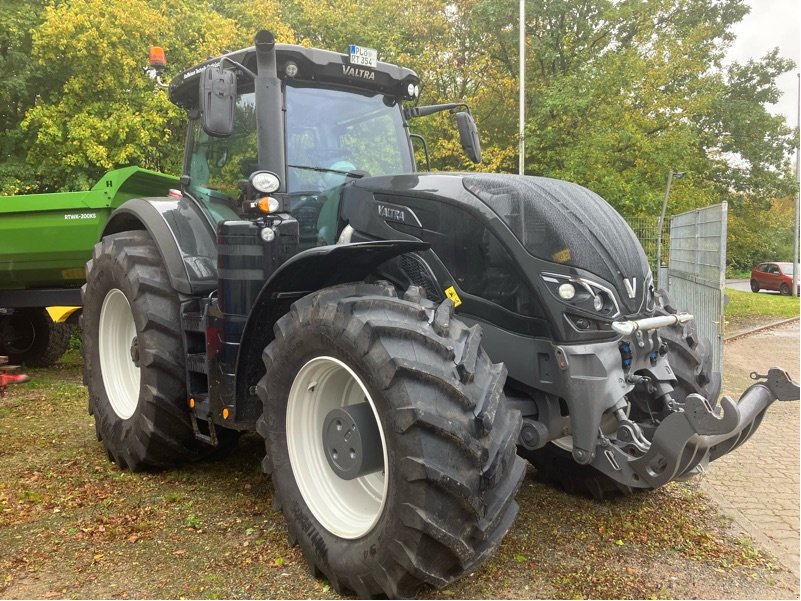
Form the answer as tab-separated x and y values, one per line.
183	234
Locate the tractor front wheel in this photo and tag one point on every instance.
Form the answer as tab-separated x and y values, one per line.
389	442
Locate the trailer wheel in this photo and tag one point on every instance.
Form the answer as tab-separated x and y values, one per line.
391	447
134	356
690	359
31	337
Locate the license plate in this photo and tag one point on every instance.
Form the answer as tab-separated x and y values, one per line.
364	57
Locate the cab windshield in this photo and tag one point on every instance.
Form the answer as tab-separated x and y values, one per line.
332	137
332	133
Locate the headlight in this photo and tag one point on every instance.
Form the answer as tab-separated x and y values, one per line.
265	182
583	294
567	290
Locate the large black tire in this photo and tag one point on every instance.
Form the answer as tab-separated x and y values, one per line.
784	290
452	472
31	337
691	361
754	286
144	424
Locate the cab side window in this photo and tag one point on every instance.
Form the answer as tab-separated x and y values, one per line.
216	165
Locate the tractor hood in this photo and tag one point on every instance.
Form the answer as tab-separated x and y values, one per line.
568	224
560	223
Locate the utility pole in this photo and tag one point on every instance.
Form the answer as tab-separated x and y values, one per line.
797	193
521	167
678	175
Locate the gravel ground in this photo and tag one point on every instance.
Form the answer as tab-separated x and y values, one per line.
73	526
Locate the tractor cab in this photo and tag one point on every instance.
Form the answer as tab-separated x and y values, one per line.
297	124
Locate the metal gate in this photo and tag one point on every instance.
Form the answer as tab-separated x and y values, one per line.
697	270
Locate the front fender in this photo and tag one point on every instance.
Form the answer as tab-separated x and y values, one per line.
306	272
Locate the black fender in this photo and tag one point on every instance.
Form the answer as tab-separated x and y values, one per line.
306	272
183	234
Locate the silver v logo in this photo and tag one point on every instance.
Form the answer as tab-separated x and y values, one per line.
631	287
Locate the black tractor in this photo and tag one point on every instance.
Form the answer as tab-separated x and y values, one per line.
399	339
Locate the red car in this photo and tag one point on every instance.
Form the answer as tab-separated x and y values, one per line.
773	276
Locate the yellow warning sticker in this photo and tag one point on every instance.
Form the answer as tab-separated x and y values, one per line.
451	294
563	256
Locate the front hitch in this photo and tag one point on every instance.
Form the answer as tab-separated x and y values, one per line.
687	440
703	433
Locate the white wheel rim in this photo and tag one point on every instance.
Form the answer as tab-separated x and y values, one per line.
116	334
346	508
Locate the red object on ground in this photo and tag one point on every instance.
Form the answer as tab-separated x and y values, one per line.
7	378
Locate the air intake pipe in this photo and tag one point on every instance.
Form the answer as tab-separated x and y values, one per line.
269	104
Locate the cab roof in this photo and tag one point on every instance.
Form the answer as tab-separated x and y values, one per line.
314	65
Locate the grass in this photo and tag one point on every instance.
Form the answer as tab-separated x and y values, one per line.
747	304
738	274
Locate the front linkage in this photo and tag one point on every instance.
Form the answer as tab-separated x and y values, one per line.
690	429
699	433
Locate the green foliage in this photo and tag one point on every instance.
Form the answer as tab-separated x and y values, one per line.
106	112
617	93
20	80
759	231
620	93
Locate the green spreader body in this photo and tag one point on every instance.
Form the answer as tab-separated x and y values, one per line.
46	239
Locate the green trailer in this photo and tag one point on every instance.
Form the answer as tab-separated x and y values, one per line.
45	242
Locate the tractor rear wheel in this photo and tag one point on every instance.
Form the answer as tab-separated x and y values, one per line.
31	337
134	356
690	359
389	442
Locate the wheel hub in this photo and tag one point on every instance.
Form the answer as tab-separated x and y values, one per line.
19	335
352	442
135	351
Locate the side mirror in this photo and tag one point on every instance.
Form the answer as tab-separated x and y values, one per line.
468	136
217	100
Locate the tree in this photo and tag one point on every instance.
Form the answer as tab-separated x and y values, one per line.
20	82
760	231
619	93
104	112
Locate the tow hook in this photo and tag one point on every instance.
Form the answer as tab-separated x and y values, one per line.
701	432
780	384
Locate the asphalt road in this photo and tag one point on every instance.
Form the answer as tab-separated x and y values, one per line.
745	286
738	285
